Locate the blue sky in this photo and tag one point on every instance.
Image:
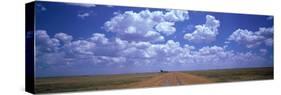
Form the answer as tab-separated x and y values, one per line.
84	39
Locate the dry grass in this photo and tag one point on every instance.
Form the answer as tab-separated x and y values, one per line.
230	75
83	83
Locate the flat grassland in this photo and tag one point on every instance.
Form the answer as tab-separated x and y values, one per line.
232	75
104	82
83	83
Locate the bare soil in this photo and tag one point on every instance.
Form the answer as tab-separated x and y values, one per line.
171	79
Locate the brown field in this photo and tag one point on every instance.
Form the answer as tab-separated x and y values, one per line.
232	75
83	83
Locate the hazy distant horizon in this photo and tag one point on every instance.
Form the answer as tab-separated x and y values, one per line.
148	72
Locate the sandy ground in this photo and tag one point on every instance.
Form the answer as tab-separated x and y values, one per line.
171	79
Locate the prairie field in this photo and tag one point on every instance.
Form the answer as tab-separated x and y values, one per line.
231	75
139	80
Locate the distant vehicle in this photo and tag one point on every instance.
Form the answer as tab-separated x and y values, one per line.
163	71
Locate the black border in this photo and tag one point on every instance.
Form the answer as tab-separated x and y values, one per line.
29	47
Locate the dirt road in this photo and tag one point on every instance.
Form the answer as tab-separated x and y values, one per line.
171	79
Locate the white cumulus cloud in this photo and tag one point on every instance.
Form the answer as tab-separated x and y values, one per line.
252	39
145	25
64	37
204	33
176	15
166	28
45	43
